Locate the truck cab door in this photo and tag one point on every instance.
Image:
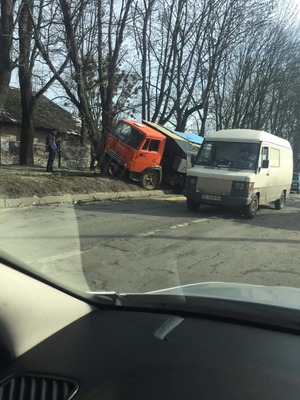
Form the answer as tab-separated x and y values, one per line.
149	155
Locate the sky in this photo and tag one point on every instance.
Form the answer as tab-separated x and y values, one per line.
54	91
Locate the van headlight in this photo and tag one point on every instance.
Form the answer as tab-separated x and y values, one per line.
242	185
239	185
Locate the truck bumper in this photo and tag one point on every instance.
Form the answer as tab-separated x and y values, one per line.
217	200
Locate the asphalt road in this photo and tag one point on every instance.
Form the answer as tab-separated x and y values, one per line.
147	244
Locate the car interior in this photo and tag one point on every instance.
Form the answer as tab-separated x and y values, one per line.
55	345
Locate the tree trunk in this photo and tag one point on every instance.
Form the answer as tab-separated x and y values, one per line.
145	45
27	129
4	86
182	125
6	34
25	75
107	64
84	102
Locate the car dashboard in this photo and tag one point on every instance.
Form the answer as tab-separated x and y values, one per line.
128	354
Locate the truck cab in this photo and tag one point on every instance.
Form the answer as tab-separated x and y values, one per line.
149	153
136	149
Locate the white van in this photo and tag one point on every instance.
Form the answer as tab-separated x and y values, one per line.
241	168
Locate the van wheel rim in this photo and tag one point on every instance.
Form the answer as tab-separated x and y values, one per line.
254	205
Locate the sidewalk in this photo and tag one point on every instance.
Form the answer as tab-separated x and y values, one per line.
36	170
32	186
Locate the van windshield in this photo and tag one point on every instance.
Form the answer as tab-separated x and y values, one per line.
228	155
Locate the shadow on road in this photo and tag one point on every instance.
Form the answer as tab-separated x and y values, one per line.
174	206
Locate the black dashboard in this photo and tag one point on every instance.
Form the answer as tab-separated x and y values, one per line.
122	354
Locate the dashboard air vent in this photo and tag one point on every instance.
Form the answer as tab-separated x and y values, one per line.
28	387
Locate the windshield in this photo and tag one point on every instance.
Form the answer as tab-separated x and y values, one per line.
129	135
228	154
93	81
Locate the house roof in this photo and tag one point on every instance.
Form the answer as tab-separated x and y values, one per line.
47	114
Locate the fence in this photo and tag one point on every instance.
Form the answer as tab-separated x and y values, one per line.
71	157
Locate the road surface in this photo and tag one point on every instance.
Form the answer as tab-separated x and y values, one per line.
148	244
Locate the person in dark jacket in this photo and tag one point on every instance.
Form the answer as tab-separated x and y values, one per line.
51	148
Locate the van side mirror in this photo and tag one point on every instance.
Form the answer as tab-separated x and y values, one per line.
265	164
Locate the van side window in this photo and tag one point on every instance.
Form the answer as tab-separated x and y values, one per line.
264	153
274	157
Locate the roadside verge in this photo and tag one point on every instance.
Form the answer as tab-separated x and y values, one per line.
77	198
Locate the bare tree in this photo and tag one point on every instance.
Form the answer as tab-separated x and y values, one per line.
31	22
254	86
25	75
111	29
223	61
71	19
7	9
143	34
92	36
186	53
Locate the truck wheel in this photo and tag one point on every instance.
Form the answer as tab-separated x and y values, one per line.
192	205
280	202
150	180
251	210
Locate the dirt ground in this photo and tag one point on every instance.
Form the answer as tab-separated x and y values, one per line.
16	182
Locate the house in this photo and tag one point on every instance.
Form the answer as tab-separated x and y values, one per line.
47	115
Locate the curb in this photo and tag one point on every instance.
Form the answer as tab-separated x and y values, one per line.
77	198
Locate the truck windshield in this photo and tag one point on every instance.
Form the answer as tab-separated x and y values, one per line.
228	155
129	135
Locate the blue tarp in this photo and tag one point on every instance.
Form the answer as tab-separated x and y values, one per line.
192	137
188	142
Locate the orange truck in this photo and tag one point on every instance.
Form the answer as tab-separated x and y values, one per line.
149	153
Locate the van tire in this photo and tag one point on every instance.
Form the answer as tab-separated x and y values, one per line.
150	180
192	205
280	202
251	209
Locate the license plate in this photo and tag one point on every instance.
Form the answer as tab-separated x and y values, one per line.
211	197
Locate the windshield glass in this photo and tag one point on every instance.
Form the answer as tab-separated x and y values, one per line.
97	190
129	135
228	154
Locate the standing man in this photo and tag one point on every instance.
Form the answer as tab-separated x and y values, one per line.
51	147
